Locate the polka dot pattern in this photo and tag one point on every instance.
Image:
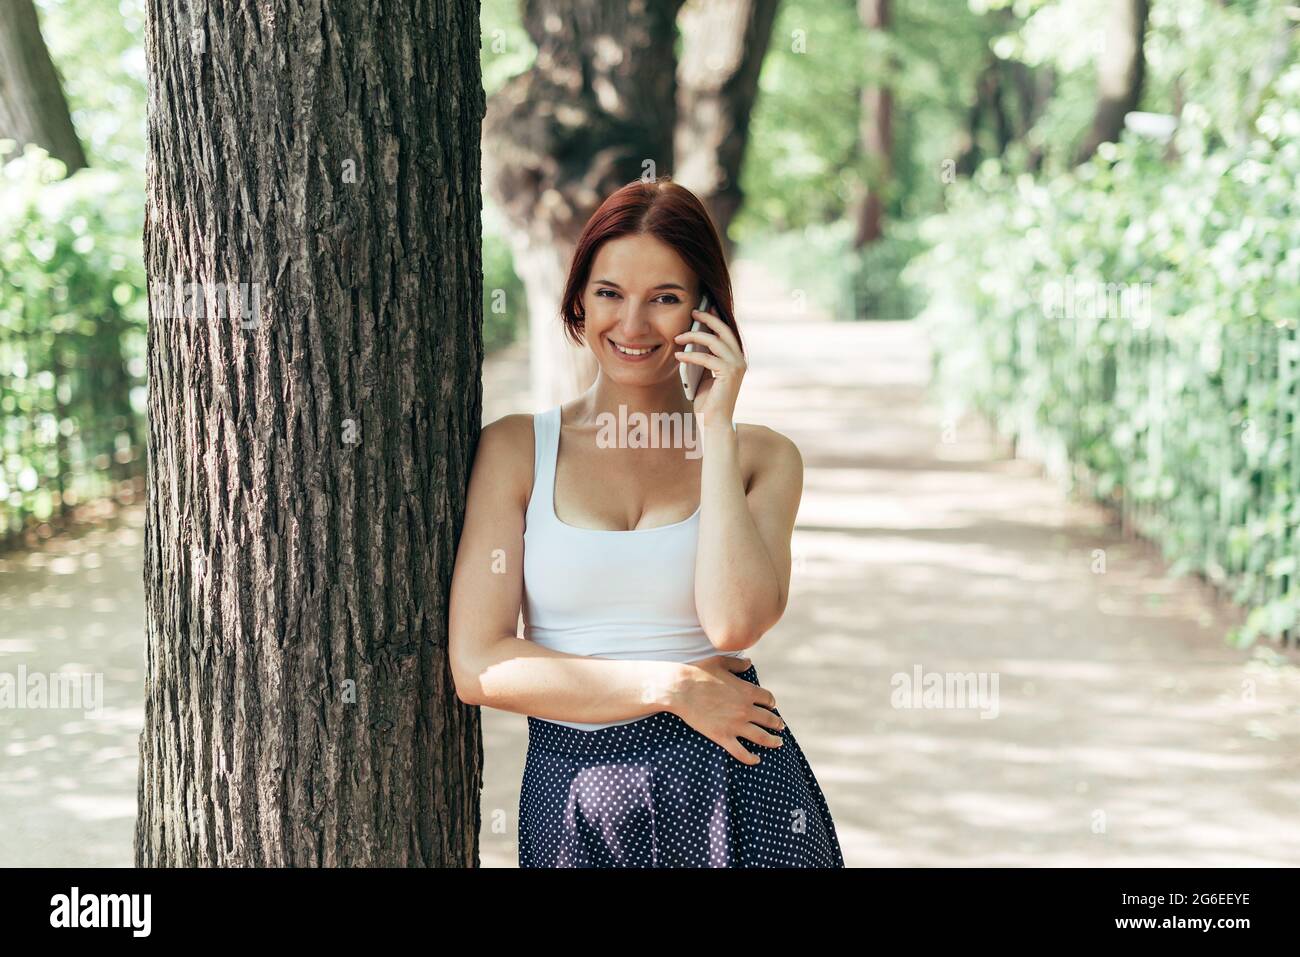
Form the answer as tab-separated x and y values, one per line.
658	793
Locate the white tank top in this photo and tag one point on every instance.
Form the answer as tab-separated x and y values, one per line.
606	593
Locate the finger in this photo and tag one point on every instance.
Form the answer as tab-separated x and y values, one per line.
766	698
740	752
699	335
766	719
717	324
743	662
700	359
753	732
715	344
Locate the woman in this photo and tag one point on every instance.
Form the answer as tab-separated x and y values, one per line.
650	741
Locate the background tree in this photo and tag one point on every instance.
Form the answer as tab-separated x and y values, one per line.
32	106
724	43
308	460
876	132
1120	72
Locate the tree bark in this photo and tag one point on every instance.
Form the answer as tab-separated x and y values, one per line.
875	138
1120	74
596	111
32	105
308	458
723	46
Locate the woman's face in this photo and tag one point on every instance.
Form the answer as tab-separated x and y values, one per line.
639	296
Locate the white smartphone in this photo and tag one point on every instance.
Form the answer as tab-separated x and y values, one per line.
690	372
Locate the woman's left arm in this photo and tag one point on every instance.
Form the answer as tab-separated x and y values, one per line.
742	561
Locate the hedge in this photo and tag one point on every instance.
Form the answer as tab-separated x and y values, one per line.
1134	322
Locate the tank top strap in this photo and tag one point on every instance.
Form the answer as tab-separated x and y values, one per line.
546	447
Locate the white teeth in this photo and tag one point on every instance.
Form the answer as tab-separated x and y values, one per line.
633	352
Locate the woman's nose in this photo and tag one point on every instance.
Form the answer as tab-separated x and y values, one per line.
634	319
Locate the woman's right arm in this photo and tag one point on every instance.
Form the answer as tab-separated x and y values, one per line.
490	665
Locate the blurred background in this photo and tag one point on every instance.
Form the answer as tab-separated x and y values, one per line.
1021	278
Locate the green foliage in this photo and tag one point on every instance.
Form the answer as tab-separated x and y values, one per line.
803	161
820	267
98	48
504	308
72	318
1180	403
881	289
798	163
506	51
813	263
506	48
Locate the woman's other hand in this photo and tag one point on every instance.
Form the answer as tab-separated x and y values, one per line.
723	707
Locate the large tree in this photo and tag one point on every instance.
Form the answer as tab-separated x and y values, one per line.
723	46
32	106
308	458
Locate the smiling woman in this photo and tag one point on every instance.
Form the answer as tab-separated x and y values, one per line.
644	572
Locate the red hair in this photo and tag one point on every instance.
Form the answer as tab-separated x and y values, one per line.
672	214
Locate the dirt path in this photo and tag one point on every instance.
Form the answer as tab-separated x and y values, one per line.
1120	730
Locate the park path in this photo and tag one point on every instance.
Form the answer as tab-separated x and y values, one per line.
1123	731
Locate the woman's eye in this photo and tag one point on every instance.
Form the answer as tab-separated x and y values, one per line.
667	298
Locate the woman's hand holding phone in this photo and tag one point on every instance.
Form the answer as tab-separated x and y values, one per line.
715	396
691	374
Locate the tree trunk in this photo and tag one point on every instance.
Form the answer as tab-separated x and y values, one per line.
1120	73
308	457
32	106
875	137
723	46
596	111
1034	91
987	95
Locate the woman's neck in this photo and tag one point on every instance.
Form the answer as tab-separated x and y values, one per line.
605	396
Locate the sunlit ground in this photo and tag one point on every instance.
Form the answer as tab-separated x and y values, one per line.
68	776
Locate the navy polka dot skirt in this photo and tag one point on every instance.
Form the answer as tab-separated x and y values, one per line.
657	793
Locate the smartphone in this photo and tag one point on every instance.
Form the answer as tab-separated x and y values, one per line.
690	372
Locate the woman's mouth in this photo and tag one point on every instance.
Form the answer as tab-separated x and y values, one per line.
633	353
